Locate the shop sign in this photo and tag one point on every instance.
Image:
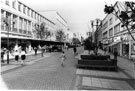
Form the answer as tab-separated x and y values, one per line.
105	41
124	37
117	39
110	40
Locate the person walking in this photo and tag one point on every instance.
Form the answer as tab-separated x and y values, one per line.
23	56
16	55
2	55
115	53
74	50
63	58
35	49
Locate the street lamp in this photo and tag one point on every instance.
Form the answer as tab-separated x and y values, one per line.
8	26
95	33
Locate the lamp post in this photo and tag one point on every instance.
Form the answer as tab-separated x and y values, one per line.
8	26
95	33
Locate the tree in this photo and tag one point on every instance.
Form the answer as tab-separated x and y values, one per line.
126	15
60	36
41	32
76	41
89	45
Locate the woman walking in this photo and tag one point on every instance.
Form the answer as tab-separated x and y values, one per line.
23	56
16	55
63	58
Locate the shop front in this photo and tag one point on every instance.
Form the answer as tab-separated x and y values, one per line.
115	43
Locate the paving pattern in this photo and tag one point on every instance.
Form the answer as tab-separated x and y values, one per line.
103	80
124	79
46	74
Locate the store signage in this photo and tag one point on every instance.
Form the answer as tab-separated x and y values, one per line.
117	39
124	37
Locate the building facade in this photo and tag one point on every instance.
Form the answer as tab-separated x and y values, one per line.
60	22
115	36
18	25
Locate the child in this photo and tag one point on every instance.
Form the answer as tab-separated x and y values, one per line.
63	58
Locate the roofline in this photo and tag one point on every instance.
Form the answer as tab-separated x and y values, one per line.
35	11
109	14
61	17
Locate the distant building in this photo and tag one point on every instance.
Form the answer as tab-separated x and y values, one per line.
61	23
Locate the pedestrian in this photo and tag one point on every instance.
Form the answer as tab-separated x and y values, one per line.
23	56
35	49
16	55
74	50
105	49
63	58
2	55
115	54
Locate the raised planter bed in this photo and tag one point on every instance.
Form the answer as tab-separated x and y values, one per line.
93	61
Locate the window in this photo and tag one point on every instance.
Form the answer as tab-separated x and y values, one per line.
13	4
110	21
25	24
105	35
28	11
110	32
15	23
19	6
7	2
2	22
29	26
20	23
105	25
116	16
35	15
24	9
31	13
117	28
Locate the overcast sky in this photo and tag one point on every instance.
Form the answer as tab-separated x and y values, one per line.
77	13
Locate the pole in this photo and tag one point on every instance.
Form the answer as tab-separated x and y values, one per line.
7	44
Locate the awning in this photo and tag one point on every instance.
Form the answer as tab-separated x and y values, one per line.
114	43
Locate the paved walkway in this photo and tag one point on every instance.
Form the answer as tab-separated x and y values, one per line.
124	79
46	74
30	59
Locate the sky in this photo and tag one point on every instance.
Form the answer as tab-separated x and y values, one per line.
77	13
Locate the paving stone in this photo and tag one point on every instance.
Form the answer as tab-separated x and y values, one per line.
93	73
86	81
105	84
96	82
79	71
86	72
